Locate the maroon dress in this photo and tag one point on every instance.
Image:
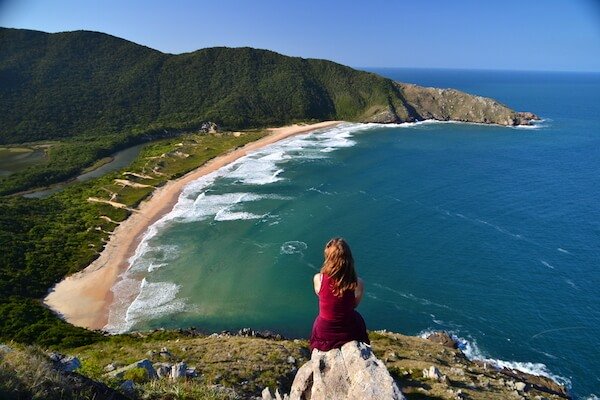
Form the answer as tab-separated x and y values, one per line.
337	323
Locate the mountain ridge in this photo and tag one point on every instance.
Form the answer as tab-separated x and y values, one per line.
82	83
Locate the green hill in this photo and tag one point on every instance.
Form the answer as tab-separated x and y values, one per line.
88	83
80	83
92	94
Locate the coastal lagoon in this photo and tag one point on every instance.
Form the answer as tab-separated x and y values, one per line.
492	233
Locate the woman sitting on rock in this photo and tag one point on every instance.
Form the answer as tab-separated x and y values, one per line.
339	291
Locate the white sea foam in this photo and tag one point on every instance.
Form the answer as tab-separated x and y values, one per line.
547	264
124	292
196	202
572	284
293	247
154	300
563	250
472	351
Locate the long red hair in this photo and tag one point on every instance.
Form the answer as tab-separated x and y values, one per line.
339	266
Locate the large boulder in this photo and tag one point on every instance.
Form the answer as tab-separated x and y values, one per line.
352	372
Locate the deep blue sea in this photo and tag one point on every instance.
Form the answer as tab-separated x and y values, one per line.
492	233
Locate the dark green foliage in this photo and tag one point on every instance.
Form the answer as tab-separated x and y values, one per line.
68	84
28	321
81	83
98	93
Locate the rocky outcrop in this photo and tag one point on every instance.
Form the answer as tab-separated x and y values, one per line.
352	372
443	338
422	103
454	105
145	364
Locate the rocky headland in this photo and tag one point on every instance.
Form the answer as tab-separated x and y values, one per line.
422	103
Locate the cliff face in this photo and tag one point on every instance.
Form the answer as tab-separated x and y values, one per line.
421	103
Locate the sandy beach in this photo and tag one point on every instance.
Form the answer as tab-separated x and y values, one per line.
83	299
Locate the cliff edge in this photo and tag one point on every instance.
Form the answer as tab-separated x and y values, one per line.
189	365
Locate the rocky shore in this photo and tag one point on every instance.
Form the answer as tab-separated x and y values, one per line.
250	364
421	103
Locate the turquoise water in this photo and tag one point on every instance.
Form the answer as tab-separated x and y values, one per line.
490	232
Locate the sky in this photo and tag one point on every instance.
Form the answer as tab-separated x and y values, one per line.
543	35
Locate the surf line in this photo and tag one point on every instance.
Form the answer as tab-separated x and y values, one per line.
571	328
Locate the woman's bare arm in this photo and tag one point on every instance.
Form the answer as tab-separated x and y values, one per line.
317	283
359	292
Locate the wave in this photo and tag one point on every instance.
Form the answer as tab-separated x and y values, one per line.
293	247
154	300
547	264
563	250
472	351
197	202
412	297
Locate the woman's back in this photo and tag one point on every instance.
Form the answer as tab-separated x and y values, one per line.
335	308
339	290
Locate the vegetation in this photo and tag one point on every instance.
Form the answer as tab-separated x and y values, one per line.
233	367
43	240
96	93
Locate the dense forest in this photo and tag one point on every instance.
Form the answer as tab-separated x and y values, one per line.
81	83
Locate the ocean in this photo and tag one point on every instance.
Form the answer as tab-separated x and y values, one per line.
491	233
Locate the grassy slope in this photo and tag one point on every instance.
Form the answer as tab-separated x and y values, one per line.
247	365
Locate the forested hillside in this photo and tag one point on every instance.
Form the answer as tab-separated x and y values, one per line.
81	83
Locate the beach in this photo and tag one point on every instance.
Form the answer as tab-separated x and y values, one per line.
83	299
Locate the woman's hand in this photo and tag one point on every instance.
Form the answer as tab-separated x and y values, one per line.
359	292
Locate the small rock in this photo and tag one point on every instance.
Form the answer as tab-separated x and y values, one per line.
444	339
291	360
520	386
432	373
128	387
163	370
178	370
110	367
70	364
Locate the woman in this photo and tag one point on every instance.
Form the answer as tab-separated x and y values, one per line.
339	291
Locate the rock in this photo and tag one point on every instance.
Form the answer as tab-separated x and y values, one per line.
432	373
520	386
352	372
128	387
145	363
163	370
178	370
5	349
541	383
191	373
110	367
291	360
444	339
65	363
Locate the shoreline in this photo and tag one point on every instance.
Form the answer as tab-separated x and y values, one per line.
84	298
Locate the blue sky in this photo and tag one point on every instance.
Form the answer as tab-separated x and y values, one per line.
561	35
